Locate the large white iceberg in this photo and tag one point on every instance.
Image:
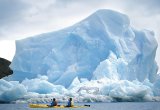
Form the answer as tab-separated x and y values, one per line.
102	46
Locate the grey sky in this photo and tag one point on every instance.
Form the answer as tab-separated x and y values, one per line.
23	18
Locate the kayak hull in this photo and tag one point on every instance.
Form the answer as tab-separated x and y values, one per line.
46	106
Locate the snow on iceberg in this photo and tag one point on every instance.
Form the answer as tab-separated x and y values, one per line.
102	46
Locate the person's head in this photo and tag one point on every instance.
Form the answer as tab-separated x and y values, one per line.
54	99
70	99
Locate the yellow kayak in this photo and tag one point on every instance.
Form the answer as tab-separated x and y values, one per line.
61	106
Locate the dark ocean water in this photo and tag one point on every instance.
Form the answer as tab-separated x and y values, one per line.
94	106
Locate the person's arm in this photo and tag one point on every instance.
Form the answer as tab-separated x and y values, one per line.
55	103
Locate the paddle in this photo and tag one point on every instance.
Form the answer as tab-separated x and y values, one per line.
87	105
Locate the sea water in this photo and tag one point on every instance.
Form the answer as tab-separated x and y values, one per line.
94	106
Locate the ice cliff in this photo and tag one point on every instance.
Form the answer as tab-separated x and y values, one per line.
102	51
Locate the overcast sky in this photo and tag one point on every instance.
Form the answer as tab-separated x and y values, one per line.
22	18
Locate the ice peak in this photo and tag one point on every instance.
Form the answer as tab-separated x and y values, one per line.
112	21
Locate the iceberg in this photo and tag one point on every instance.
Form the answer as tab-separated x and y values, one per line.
42	86
102	56
12	90
81	48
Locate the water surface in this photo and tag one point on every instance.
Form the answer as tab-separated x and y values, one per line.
94	106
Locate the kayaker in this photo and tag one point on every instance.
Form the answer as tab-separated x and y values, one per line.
53	103
70	103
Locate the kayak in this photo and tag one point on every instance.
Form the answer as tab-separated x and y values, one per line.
60	106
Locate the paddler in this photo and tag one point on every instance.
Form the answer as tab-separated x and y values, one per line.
53	103
70	103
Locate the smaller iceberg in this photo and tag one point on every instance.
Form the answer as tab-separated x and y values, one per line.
11	91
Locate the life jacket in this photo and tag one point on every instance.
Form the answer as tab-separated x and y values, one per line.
54	103
70	104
